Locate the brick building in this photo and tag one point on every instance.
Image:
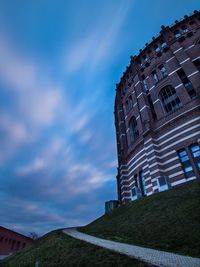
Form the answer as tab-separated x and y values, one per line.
11	241
157	113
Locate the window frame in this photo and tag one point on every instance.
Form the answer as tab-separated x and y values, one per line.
133	130
170	99
196	161
186	163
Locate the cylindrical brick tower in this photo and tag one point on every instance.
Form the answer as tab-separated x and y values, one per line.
157	113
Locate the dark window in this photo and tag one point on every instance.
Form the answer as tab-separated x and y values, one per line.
145	84
186	165
13	244
129	104
177	34
136	180
157	48
163	71
169	98
163	44
152	107
134	134
187	84
18	245
191	22
23	245
195	149
197	64
144	57
155	77
185	29
142	183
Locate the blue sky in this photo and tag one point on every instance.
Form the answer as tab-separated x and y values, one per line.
59	63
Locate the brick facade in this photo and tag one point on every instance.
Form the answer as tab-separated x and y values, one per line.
11	241
157	113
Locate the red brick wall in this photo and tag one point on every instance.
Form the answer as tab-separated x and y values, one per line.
155	150
11	241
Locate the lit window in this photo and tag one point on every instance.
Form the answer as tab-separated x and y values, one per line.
169	98
155	77
187	84
195	149
185	29
185	161
177	34
134	134
145	84
163	71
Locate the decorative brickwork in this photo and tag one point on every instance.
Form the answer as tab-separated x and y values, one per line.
157	113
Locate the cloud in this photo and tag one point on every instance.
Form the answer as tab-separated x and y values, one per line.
38	99
97	45
35	166
55	133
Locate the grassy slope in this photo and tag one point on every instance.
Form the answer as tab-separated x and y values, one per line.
58	250
168	221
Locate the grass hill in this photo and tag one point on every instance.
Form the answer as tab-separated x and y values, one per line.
56	249
168	221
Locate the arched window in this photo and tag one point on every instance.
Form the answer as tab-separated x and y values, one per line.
169	98
134	134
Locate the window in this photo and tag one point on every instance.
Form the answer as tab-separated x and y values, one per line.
197	64
177	34
129	104
157	48
185	29
195	149
169	98
123	90
13	244
163	71
163	183
144	58
142	183
134	134
186	165
155	77
145	84
18	245
152	107
187	84
136	180
163	44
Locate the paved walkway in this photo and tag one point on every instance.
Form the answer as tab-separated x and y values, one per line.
152	256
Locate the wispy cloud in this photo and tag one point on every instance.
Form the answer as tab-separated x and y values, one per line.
99	44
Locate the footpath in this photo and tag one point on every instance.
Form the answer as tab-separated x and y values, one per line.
152	256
